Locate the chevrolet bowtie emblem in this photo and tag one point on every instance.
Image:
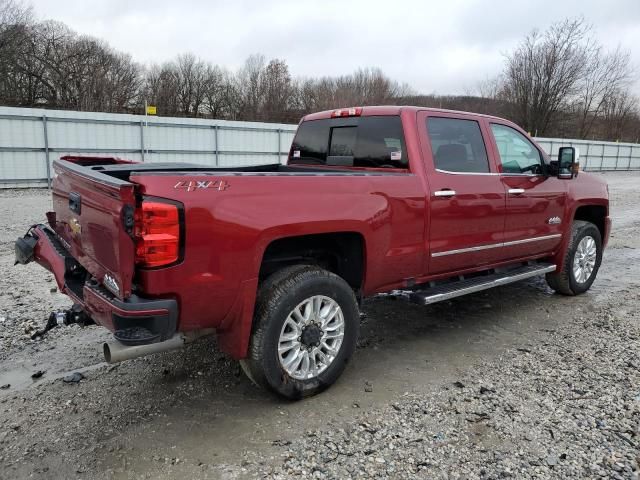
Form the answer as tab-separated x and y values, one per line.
75	227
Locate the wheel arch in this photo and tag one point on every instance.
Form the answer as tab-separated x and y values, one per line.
592	213
590	210
341	252
344	254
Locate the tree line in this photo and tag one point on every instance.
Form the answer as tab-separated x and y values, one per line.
559	82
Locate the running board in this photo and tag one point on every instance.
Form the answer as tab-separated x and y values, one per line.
458	288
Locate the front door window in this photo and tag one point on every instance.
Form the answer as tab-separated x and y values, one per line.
517	154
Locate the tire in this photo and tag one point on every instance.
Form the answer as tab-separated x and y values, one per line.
301	288
565	281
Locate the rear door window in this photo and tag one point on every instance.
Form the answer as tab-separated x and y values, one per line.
374	142
457	145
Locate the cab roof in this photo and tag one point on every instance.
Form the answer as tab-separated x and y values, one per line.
391	110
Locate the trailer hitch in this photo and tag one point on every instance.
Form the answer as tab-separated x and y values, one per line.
75	314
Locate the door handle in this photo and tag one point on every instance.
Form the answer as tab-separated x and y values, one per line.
516	191
444	193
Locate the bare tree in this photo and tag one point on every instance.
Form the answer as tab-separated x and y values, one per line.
219	92
276	90
619	110
52	66
488	88
46	61
249	87
123	83
605	75
15	22
544	72
161	88
190	73
15	17
316	94
369	86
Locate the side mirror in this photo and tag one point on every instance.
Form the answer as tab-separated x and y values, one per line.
568	164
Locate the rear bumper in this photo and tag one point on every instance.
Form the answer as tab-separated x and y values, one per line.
158	316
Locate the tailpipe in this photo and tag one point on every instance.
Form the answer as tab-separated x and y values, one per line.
115	351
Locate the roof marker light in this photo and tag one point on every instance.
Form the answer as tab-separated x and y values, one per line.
347	112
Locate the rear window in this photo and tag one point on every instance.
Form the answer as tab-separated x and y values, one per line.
374	142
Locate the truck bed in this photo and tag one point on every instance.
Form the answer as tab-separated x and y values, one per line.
123	171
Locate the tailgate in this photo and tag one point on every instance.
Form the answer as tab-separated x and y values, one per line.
94	216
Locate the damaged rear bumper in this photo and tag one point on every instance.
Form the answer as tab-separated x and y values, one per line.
134	320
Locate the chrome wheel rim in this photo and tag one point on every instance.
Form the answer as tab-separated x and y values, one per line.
584	260
311	337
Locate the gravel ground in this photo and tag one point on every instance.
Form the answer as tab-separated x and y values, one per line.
558	407
514	382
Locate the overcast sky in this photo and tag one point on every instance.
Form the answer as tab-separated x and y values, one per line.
443	47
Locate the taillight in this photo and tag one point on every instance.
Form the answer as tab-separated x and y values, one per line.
157	234
347	112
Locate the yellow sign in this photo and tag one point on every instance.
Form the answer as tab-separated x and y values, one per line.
151	109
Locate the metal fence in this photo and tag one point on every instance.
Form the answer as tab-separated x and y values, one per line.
30	139
597	156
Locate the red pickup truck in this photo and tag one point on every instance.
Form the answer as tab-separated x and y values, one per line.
427	204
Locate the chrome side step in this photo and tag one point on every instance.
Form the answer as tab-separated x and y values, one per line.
439	293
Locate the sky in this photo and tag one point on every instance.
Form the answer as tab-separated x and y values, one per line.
437	47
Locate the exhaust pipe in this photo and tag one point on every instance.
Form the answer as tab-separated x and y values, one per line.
115	351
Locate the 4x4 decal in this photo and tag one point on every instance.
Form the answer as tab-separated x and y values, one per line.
193	185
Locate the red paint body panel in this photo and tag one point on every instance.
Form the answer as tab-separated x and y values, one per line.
95	236
228	231
396	213
527	214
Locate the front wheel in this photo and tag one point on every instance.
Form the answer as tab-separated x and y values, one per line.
582	261
304	333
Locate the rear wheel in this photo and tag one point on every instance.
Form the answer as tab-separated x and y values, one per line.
582	261
304	333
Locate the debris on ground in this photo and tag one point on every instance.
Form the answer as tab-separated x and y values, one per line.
75	377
